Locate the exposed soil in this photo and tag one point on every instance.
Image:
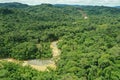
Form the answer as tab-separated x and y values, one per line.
39	64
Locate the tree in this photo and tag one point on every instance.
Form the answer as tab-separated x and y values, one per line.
26	50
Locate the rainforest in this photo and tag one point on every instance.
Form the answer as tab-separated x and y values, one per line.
76	42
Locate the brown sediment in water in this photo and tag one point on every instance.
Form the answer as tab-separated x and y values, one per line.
42	65
38	64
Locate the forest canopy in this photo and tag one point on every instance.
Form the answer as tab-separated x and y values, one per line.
90	47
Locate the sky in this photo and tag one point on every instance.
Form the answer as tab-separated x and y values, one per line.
78	2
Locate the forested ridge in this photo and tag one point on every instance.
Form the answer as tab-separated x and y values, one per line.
90	48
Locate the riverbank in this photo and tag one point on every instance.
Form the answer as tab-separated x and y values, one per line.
38	64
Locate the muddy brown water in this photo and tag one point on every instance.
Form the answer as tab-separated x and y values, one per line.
39	64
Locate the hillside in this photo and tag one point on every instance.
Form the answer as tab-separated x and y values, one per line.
90	47
13	5
117	6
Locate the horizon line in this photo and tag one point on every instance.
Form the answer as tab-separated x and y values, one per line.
61	4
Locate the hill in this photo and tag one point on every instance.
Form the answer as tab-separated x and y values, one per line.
89	47
117	6
13	5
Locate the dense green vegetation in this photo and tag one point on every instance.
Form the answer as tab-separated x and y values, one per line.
13	5
90	47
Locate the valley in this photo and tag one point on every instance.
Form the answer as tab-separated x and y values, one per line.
59	42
